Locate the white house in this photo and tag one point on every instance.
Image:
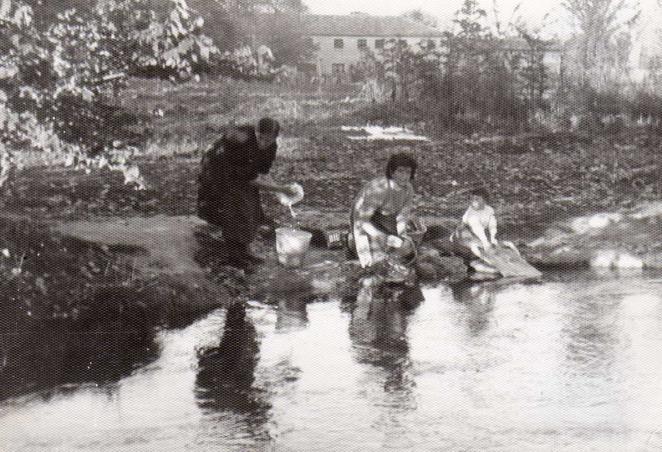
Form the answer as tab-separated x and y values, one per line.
341	40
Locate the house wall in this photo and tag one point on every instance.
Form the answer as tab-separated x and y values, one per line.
328	55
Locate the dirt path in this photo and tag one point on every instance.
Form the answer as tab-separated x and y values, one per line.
167	243
168	247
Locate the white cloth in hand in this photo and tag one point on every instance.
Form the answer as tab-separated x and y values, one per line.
394	241
288	201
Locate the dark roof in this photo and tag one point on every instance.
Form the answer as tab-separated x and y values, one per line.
366	25
350	25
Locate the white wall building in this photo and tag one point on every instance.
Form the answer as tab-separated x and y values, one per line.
341	40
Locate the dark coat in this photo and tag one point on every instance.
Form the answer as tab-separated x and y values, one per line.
226	198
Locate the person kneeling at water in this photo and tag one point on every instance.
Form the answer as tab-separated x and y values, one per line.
477	223
476	234
382	211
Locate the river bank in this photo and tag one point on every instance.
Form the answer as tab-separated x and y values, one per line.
52	279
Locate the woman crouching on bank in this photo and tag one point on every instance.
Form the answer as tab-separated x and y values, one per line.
382	211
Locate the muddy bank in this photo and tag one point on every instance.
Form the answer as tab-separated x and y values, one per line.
77	288
164	253
172	261
82	301
629	238
171	268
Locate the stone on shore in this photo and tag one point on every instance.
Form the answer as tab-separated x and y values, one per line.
628	239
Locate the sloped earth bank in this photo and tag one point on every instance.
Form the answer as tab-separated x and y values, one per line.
81	300
181	250
630	238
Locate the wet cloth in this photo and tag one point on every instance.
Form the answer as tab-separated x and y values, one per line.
226	197
388	209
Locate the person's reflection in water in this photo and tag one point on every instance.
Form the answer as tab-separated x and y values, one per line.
226	373
378	328
292	314
479	301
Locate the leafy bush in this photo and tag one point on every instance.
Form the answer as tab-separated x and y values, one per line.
57	73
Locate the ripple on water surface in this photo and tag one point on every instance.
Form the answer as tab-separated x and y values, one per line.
569	364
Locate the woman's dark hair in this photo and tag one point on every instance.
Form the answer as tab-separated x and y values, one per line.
400	160
268	126
482	192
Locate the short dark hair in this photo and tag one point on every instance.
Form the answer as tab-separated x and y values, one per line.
482	192
268	126
400	160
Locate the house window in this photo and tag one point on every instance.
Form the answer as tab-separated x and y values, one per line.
379	43
337	68
654	63
431	44
338	43
362	43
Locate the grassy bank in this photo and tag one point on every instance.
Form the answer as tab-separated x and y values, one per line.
181	118
533	179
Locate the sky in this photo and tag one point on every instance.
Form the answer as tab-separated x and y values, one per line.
533	11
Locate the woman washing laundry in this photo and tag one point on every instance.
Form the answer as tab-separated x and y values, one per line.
382	212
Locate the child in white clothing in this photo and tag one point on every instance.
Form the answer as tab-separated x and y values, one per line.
478	228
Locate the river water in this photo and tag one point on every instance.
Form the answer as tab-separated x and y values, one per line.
570	364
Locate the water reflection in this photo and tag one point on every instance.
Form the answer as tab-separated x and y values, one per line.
292	314
565	365
479	302
590	335
226	374
40	360
378	328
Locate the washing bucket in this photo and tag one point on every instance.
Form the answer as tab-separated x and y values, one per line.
291	246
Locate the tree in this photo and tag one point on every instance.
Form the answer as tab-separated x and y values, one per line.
289	6
534	72
470	21
479	77
468	50
399	63
422	17
248	24
55	73
599	22
281	29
